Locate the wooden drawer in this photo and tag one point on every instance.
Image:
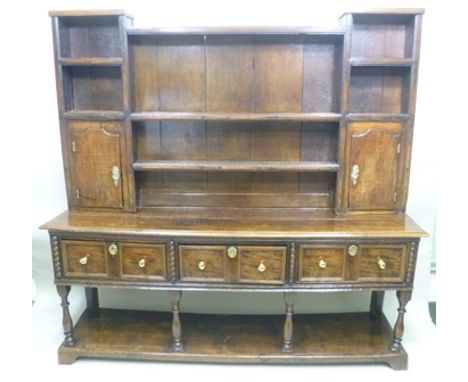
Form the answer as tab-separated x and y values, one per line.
84	258
321	263
247	264
383	263
369	263
143	261
202	263
265	265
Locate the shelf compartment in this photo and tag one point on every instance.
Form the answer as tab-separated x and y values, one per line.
376	117
323	339
93	36
363	61
94	115
257	166
213	116
382	36
93	88
91	61
379	89
175	73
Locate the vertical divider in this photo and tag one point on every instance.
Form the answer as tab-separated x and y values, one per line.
411	108
340	196
127	174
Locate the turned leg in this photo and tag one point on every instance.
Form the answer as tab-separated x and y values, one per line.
376	303
92	299
174	297
289	300
63	291
403	298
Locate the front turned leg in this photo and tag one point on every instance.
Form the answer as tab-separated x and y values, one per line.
289	300
174	297
63	291
403	299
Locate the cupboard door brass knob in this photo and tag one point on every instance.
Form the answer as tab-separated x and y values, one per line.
116	175
84	260
322	263
382	264
262	267
142	263
232	252
353	250
112	249
201	265
354	174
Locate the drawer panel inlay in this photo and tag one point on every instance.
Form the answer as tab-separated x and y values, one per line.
84	258
143	261
318	263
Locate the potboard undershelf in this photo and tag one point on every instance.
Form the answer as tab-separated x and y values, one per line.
144	335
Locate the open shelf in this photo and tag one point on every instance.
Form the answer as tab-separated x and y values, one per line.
94	114
93	36
382	36
363	61
93	88
179	165
376	117
379	89
210	116
91	61
324	338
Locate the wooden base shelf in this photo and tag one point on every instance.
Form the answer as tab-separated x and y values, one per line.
323	339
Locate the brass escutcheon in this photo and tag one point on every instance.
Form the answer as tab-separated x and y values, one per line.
232	252
112	249
353	250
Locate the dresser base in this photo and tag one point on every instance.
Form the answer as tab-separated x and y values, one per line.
319	339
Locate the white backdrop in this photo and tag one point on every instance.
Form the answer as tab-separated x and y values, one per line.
48	190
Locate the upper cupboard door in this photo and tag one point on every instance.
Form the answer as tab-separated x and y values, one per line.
374	165
95	162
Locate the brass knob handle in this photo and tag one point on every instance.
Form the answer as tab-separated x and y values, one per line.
353	250
232	252
84	260
322	263
201	265
112	249
261	267
142	263
382	264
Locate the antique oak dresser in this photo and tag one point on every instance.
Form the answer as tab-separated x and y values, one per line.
271	160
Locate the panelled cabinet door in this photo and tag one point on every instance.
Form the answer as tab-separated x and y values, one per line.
95	161
373	165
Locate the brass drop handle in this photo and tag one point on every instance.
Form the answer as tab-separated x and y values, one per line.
354	174
232	252
353	250
262	267
322	263
381	263
142	263
201	265
112	249
84	260
116	175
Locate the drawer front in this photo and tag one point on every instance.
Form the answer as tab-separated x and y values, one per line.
321	263
84	258
384	263
265	265
143	261
202	263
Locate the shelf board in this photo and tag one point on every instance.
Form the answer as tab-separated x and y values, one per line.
377	117
247	30
91	61
212	116
318	338
94	114
362	61
254	166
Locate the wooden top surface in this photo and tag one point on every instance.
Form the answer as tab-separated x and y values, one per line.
89	12
236	223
